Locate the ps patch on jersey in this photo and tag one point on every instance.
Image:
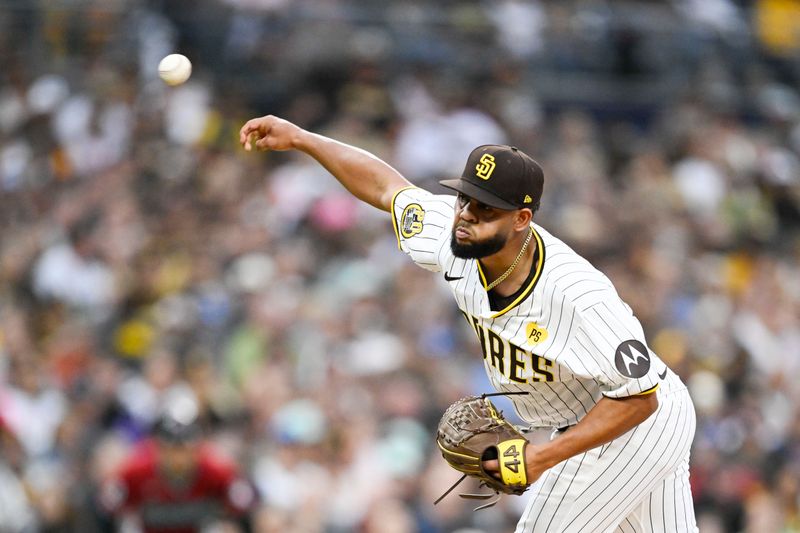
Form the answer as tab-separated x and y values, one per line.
411	220
632	359
535	333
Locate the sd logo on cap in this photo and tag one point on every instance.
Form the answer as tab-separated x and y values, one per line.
500	176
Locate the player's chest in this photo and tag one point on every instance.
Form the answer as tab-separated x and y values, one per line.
516	318
155	484
522	330
515	348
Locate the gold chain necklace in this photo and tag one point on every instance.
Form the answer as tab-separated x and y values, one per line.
508	272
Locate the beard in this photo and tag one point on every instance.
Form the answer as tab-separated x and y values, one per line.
477	249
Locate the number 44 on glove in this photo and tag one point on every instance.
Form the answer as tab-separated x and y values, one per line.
472	431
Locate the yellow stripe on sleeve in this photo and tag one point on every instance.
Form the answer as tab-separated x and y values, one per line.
651	390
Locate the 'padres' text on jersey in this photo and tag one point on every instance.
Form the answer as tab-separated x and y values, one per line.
566	337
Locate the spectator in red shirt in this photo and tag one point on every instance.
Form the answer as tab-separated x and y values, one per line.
177	483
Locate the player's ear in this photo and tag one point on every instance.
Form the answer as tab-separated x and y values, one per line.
522	219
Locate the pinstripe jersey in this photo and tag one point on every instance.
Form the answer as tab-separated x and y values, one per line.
567	339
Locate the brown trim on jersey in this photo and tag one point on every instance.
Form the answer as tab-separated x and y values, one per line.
537	274
394	217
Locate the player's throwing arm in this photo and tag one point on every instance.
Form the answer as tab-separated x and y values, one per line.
368	178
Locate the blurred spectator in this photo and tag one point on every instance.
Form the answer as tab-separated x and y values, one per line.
33	410
16	514
174	483
72	272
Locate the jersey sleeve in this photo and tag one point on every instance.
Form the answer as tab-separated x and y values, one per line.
609	347
422	223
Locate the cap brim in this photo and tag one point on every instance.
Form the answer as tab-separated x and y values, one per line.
473	191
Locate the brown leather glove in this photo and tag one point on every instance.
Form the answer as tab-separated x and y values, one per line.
471	431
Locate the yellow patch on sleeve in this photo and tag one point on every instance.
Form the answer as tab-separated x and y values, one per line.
394	218
411	220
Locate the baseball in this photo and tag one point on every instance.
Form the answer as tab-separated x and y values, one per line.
175	69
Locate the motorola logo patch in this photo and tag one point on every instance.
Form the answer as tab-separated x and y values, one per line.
632	359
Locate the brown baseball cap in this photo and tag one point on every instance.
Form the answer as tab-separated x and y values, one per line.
500	176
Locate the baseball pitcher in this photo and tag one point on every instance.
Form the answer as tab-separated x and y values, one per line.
553	331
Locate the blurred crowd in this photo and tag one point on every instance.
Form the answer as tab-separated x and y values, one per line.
145	258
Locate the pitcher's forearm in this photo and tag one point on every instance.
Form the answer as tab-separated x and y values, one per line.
366	177
606	421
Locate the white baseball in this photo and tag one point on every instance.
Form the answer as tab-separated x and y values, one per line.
175	69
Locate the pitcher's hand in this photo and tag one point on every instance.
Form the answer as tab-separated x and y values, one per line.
534	465
269	133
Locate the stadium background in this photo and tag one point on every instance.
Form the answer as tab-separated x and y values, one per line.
144	256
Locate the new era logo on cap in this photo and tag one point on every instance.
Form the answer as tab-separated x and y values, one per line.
500	176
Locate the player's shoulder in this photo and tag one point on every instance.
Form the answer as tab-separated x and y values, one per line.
217	463
141	462
569	274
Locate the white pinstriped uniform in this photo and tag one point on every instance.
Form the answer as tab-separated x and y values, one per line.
568	339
